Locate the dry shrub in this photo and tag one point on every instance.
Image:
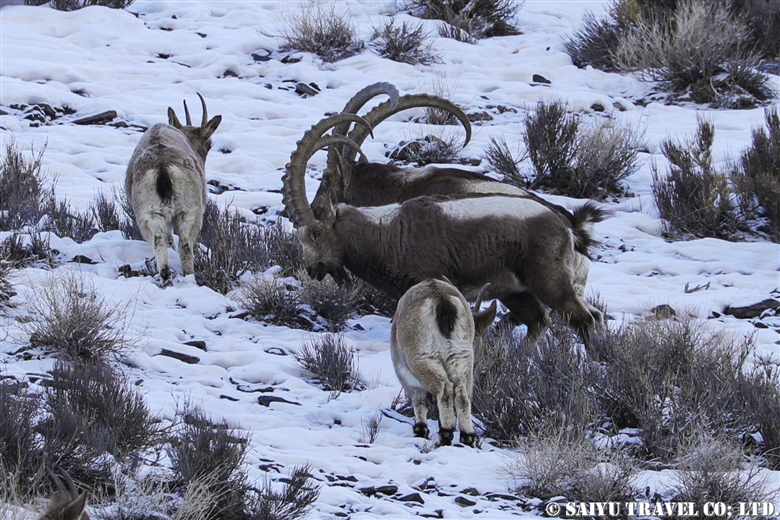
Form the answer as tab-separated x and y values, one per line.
229	248
71	318
575	160
406	43
23	248
694	199
272	300
324	32
298	492
209	456
500	159
73	5
331	362
478	18
6	288
521	388
22	194
556	464
673	378
756	175
716	470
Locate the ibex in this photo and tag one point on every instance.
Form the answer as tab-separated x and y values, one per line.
519	245
432	344
67	503
373	184
166	185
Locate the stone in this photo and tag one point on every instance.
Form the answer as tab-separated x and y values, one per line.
751	309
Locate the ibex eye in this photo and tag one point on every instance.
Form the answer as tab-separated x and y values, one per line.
317	233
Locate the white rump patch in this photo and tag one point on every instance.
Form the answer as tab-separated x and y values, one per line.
478	207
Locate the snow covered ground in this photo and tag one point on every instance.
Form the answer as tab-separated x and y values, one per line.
140	61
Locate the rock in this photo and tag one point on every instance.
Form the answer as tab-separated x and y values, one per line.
464	502
538	78
261	57
387	489
197	344
597	107
96	119
411	497
81	259
186	358
305	90
479	116
266	400
751	309
663	312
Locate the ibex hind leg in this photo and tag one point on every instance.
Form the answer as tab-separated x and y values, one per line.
419	398
155	231
463	412
526	309
187	226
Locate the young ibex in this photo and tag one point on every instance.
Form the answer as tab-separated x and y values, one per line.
67	503
166	185
432	344
519	245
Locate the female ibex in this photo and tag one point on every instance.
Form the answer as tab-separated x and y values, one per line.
67	503
166	185
432	344
517	244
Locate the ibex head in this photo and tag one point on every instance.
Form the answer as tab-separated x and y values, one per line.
198	136
322	251
67	503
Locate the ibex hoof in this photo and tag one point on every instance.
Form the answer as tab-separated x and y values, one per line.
446	436
469	439
166	276
421	430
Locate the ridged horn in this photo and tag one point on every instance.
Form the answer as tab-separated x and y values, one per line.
357	102
205	111
480	296
293	182
188	120
386	109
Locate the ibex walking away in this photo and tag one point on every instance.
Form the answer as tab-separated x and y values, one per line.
67	503
166	185
432	344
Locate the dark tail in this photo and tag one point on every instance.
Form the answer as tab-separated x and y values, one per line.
164	184
446	316
584	218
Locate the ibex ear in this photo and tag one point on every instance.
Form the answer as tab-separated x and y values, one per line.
73	510
210	127
483	320
172	119
345	167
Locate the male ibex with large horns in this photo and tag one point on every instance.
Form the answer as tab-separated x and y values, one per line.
432	344
166	185
374	184
517	244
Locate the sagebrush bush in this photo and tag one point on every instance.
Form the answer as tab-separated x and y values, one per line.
756	175
700	54
21	249
72	319
693	198
554	464
478	18
331	362
428	150
210	455
282	248
714	470
93	411
499	159
673	378
576	160
22	459
407	43
22	192
330	304
73	5
298	492
228	248
272	300
322	31
522	388
6	288
707	51
65	222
